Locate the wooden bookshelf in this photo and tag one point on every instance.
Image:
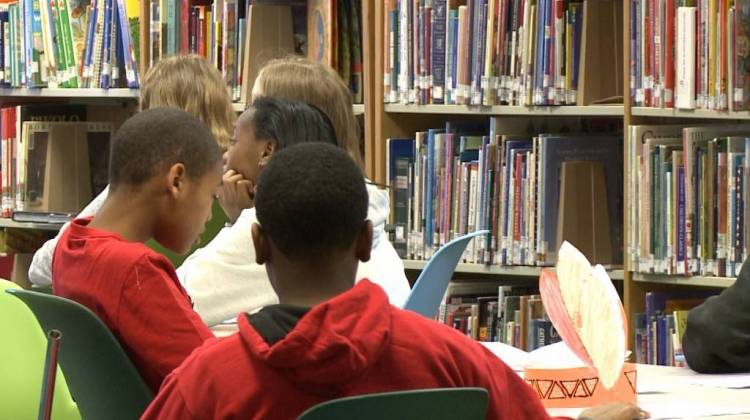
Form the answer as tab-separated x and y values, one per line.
10	223
689	113
499	110
697	281
496	270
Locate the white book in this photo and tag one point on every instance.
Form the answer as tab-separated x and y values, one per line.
685	83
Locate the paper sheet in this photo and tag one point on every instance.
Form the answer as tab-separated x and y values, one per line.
663	410
731	381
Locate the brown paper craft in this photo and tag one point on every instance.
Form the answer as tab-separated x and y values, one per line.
586	311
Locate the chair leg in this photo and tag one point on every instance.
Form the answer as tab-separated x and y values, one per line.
50	374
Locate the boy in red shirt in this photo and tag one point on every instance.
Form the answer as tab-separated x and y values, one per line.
328	337
165	168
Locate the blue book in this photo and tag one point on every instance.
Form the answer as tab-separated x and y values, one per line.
398	148
454	56
395	48
3	21
173	27
429	188
681	250
449	47
130	64
557	149
106	45
89	50
439	14
538	96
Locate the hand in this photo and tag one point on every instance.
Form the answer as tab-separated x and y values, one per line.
614	411
236	194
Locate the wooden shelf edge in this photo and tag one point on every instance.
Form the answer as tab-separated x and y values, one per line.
689	113
720	282
239	107
48	93
515	271
10	223
543	111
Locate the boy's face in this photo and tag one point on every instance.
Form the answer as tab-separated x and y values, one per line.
190	208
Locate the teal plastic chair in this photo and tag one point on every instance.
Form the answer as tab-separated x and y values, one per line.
101	377
22	357
427	404
428	291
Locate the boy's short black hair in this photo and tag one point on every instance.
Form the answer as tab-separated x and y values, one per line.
311	200
287	122
155	139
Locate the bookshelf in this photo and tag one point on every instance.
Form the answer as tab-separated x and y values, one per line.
49	93
500	110
391	119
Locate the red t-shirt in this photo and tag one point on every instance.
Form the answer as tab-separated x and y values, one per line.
135	292
353	344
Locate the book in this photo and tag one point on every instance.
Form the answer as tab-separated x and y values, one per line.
321	17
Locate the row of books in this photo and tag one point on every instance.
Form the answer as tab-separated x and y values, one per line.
659	330
69	44
334	29
483	52
465	177
490	313
52	159
690	54
214	30
690	190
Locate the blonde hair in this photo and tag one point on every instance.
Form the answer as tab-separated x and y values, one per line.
300	79
192	84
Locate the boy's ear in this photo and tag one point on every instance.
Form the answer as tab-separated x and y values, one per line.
262	250
364	242
176	178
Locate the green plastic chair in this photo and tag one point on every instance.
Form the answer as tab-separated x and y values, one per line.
22	357
101	377
427	404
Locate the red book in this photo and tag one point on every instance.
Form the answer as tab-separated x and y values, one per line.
518	200
670	55
722	99
202	31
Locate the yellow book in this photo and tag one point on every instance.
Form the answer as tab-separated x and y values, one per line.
489	81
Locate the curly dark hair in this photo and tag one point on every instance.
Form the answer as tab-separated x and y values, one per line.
311	200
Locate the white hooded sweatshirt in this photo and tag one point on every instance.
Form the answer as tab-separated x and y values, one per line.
223	279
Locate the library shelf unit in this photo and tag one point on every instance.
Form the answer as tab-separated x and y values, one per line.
500	110
697	281
505	271
396	120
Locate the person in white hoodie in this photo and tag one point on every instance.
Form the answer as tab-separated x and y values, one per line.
222	278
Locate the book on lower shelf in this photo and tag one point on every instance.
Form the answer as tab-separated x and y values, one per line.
487	312
688	191
659	330
53	161
690	54
514	52
469	176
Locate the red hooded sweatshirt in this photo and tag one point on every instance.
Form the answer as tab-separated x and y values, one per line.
353	344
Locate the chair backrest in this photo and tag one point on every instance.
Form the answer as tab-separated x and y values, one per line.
100	375
22	357
431	284
432	404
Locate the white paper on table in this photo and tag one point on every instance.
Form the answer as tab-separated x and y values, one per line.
664	410
730	381
514	357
